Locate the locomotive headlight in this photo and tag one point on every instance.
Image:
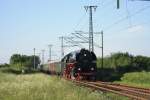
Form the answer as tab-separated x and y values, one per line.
84	54
79	69
92	68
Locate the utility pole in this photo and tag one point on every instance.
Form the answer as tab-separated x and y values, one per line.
50	46
102	49
62	50
90	8
43	56
34	57
118	4
39	55
62	46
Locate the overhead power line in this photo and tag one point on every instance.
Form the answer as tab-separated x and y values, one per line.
126	17
118	2
79	22
81	35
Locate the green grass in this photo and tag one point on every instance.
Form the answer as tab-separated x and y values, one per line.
39	86
140	79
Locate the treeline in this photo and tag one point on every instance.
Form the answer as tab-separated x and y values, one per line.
125	62
117	64
4	65
24	61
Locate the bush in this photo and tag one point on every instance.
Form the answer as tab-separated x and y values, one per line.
141	79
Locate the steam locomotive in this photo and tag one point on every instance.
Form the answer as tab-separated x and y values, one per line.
76	65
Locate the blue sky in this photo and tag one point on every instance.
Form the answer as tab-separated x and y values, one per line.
28	24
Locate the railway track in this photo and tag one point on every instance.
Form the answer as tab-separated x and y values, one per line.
145	90
124	90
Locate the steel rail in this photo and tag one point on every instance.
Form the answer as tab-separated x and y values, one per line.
131	92
108	89
146	90
123	89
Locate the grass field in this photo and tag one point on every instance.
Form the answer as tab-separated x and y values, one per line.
40	86
140	79
45	87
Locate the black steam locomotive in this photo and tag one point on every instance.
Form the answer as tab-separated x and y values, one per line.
77	65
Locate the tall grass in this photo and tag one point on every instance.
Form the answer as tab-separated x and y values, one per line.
43	87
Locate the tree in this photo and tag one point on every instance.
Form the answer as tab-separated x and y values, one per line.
125	62
16	61
24	61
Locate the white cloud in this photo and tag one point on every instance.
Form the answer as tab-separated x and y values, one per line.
136	28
